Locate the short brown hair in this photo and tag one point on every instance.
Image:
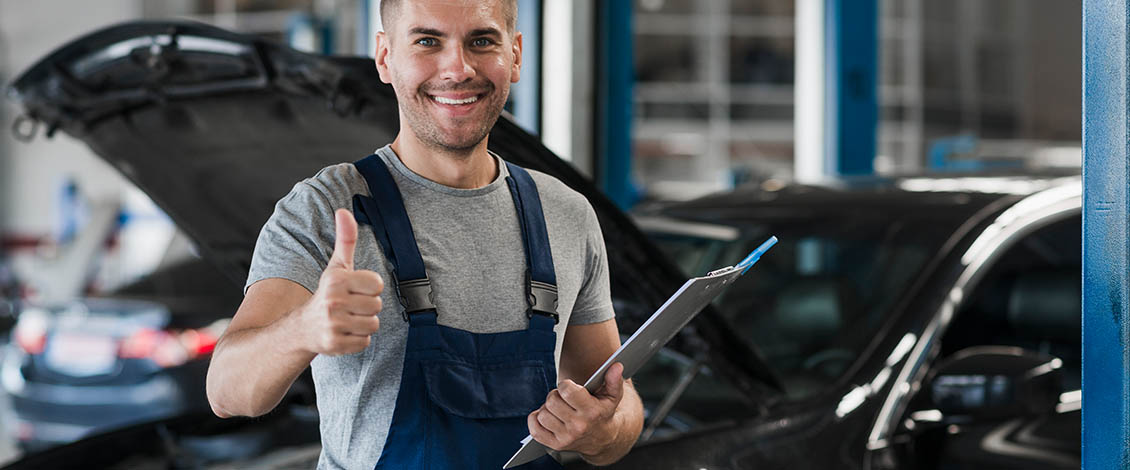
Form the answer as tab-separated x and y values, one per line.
390	8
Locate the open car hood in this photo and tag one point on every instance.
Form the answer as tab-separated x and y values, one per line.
217	126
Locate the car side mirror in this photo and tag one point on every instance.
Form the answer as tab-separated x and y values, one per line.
996	381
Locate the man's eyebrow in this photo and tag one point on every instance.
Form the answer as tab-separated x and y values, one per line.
427	32
486	32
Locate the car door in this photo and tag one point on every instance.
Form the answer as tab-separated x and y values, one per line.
1015	402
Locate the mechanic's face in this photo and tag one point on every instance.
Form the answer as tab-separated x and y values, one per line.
451	63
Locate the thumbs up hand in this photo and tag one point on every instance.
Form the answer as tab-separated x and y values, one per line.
342	315
345	241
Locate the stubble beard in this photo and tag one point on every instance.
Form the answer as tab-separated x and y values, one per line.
433	136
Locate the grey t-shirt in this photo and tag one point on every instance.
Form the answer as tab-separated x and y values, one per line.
472	250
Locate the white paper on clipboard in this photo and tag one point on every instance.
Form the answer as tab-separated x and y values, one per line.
671	317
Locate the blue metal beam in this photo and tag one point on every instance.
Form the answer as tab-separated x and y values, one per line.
614	98
365	9
851	45
527	92
1106	258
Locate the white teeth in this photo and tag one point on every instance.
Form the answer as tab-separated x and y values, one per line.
443	100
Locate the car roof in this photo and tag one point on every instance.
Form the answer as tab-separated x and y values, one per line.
937	198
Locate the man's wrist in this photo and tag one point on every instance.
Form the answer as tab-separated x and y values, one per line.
625	427
291	326
610	437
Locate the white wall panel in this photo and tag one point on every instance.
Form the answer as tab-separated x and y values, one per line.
31	174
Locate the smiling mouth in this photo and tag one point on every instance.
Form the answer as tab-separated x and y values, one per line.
453	102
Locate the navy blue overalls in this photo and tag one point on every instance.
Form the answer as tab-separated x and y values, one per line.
464	397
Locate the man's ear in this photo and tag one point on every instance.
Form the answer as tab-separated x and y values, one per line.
381	57
516	69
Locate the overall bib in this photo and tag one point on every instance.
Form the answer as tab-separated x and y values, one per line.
464	396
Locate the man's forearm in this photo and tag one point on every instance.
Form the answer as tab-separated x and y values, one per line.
627	424
252	369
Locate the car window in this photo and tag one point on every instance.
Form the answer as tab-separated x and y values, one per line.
691	254
811	303
1029	299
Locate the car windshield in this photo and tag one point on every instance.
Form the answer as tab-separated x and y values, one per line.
814	302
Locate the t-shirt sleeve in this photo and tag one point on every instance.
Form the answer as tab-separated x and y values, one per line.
297	241
594	301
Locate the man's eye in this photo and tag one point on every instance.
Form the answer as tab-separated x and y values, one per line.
482	42
427	42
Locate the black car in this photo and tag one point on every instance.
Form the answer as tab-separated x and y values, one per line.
929	322
97	364
900	323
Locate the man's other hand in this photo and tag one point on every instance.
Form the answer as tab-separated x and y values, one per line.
573	419
342	314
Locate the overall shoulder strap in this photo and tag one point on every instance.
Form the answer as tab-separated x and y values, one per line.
384	212
542	287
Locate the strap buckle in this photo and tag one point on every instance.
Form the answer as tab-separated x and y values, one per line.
542	298
415	296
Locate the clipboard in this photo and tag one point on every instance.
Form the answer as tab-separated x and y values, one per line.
671	317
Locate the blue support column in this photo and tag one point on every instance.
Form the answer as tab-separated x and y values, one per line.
526	94
310	34
614	98
368	24
1106	368
327	33
851	47
364	17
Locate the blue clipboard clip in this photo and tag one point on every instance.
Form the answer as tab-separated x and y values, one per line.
756	254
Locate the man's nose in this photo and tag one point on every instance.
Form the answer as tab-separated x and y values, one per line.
456	65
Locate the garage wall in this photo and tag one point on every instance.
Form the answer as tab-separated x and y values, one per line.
1053	102
31	174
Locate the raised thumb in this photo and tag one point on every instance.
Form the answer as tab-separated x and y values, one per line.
345	239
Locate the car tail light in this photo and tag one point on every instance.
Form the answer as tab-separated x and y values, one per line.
168	348
32	342
141	343
198	342
25	431
31	333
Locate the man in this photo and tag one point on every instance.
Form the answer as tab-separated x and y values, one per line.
497	278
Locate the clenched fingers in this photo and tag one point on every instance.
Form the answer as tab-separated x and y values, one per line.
549	421
557	405
358	325
364	283
539	432
575	395
362	305
337	280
